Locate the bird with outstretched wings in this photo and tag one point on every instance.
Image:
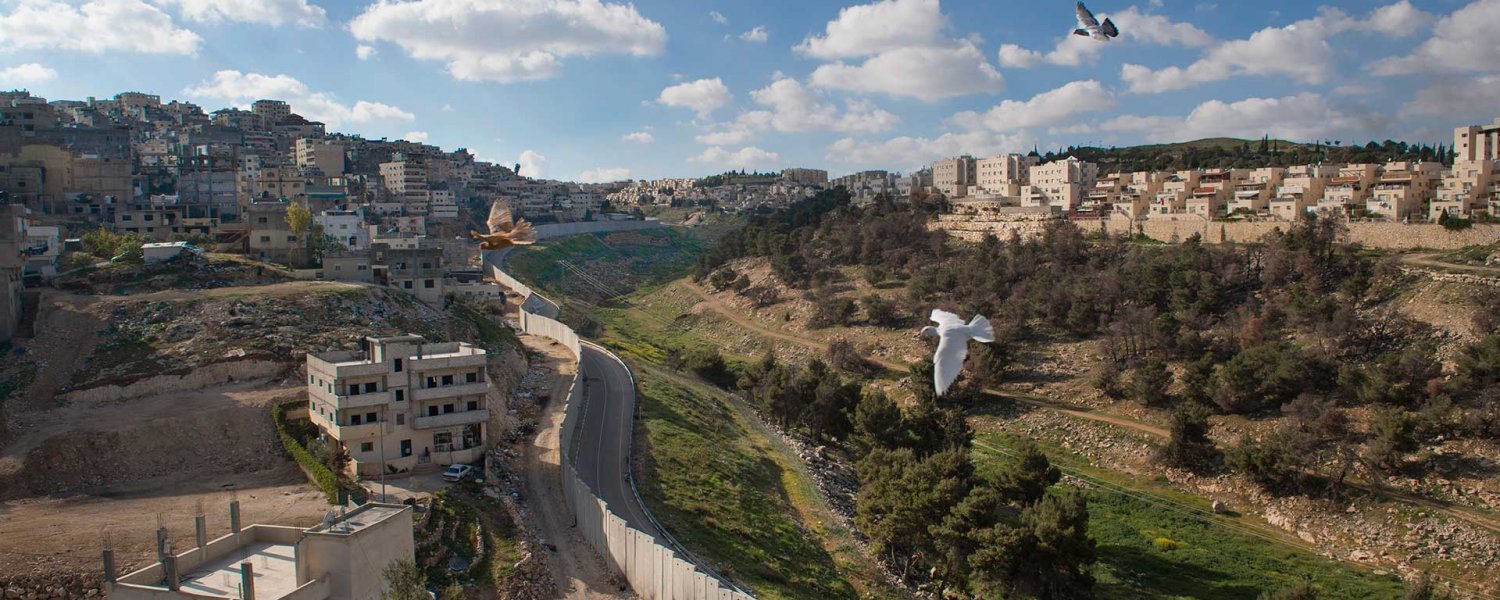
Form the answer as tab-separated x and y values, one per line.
953	345
1088	26
505	230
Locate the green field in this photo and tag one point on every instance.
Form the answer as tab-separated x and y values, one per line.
1157	544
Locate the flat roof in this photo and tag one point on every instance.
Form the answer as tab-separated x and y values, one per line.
274	567
358	519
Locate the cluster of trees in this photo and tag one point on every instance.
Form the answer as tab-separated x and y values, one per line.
920	501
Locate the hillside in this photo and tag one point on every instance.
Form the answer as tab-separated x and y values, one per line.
122	393
1216	153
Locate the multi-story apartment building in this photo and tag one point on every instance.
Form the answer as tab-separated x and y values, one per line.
12	267
954	176
1062	183
271	237
345	226
402	402
406	178
326	155
1477	142
1465	188
271	111
416	268
1253	193
1173	194
1136	193
1301	189
805	176
1003	175
1350	189
1403	189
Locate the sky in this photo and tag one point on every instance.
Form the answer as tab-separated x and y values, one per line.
597	90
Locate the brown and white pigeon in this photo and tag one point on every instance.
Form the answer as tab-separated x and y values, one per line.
505	230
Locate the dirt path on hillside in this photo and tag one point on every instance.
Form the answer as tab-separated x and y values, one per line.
1470	516
68	328
1430	261
576	568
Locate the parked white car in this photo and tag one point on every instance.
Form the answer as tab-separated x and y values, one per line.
458	472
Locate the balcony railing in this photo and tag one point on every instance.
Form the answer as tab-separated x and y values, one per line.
451	419
449	391
365	399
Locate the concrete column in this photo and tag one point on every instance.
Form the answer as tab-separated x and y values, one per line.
161	544
234	516
200	523
109	565
170	567
247	581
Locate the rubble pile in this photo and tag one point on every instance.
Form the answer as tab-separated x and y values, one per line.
52	587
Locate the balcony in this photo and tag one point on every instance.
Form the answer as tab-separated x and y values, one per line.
366	399
363	431
450	391
452	419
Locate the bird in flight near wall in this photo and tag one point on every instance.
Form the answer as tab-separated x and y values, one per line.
505	230
953	344
1088	26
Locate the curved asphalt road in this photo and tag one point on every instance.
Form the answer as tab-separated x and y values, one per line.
601	442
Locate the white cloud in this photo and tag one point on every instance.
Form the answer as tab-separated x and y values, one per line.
734	135
1400	19
364	52
928	73
795	108
447	108
533	164
1471	98
904	52
639	137
702	96
870	29
718	17
1460	42
1135	26
603	175
744	158
1301	117
27	74
911	152
1299	50
238	87
1053	107
758	34
499	40
419	137
267	12
96	26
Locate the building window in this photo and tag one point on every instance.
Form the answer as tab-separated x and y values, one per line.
262	220
406	284
447	409
431	382
310	379
427	283
369	388
366	447
442	439
432	411
353	419
353	389
405	448
265	239
400	418
447	380
400	395
291	238
371	418
397	366
471	377
473	405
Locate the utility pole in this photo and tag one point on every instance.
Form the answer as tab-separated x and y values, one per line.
383	467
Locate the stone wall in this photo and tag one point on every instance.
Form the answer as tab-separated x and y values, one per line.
1387	236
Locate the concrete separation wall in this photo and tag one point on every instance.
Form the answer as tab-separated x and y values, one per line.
655	570
552	230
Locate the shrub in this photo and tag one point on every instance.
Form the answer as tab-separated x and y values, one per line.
326	480
1162	543
1275	462
1149	382
709	364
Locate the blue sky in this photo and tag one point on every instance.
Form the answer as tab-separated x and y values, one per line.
592	89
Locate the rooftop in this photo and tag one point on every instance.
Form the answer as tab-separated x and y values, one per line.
358	519
274	565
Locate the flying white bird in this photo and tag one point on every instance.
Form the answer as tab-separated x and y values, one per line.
1088	26
953	344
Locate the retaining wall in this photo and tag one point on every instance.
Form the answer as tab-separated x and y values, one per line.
1388	236
654	570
